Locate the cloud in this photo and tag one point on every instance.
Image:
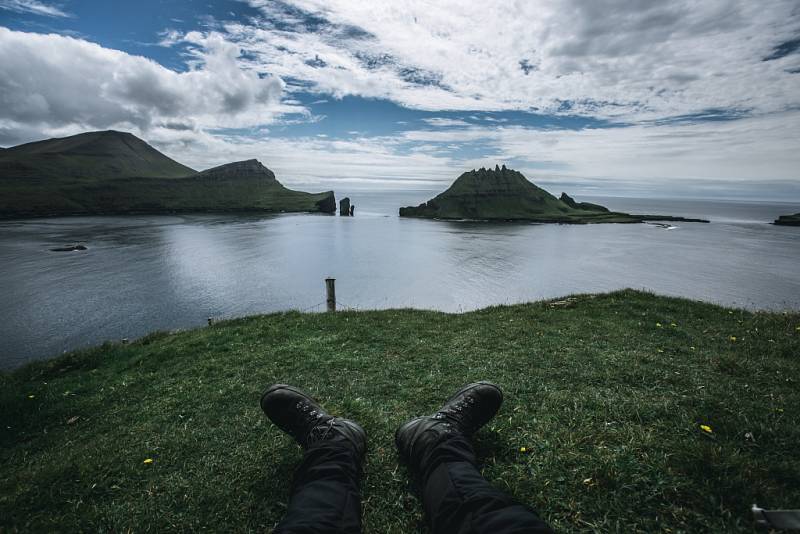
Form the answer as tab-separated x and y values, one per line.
722	157
442	122
315	162
746	150
32	6
57	81
615	59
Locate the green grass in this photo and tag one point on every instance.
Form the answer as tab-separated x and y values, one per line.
607	403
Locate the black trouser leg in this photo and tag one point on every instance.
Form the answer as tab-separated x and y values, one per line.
325	493
458	499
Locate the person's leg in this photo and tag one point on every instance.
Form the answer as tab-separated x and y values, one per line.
456	497
325	492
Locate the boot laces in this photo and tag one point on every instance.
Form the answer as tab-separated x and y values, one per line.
460	414
320	432
310	419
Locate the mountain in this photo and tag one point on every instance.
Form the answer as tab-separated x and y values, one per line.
115	172
788	220
88	156
505	194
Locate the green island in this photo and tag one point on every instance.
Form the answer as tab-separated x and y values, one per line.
624	412
110	172
788	220
502	194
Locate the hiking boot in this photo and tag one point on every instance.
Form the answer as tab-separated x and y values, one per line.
463	414
300	416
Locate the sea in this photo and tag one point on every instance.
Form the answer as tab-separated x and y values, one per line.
145	273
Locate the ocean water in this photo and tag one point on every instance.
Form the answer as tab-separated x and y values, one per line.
145	273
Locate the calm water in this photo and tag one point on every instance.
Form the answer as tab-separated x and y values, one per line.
146	273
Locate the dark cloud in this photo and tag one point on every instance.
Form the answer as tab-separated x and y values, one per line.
784	49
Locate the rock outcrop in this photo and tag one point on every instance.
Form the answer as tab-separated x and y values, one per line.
344	207
249	169
568	200
788	220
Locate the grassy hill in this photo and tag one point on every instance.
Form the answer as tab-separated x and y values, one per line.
606	394
116	172
89	156
505	194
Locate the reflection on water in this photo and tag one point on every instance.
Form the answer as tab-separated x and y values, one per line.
146	273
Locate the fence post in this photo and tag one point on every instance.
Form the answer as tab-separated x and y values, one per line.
330	290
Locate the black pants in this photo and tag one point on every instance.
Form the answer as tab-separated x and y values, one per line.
457	499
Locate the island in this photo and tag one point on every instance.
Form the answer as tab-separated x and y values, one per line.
111	172
503	194
788	220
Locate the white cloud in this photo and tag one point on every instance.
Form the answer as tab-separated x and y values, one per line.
609	58
443	122
55	81
319	163
32	6
746	150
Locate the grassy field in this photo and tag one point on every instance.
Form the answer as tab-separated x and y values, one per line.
602	427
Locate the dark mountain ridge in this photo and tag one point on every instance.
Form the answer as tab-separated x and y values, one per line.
114	172
93	155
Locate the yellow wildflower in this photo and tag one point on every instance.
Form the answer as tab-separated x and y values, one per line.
733	338
706	428
658	325
523	449
673	324
692	348
31	396
148	460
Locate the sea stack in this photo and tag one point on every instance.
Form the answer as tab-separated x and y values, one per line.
344	207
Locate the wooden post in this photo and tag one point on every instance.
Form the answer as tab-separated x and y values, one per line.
330	290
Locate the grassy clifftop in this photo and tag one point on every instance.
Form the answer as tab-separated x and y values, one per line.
607	395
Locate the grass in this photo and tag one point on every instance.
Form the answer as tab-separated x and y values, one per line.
605	393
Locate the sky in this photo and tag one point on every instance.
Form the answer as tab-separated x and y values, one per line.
685	98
